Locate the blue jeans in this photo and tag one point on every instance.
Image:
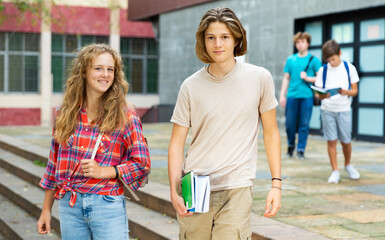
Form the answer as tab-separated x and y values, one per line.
298	114
94	216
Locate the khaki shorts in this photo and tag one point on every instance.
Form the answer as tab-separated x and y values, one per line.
228	217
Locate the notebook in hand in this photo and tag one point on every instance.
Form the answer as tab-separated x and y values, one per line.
196	192
319	90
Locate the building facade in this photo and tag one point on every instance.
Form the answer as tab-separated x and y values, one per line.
36	52
270	25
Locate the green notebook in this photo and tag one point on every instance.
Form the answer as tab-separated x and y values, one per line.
196	192
188	190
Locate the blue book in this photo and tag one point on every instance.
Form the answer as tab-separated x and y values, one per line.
332	91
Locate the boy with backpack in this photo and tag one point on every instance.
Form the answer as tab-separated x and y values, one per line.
335	109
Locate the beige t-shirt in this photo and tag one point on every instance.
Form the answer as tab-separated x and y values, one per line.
223	114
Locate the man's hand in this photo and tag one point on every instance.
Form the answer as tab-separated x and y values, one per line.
282	101
273	202
92	169
322	96
303	75
178	204
344	92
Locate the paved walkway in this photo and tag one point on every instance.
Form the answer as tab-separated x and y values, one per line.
348	210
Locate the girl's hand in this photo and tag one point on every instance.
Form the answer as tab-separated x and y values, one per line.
92	169
44	223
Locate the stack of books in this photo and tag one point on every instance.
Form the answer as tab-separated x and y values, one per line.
196	192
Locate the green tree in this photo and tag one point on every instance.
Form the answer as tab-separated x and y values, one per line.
35	7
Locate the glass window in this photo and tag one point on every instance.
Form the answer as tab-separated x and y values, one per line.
315	120
32	42
136	77
87	40
374	116
371	90
57	71
151	47
347	54
68	66
30	73
71	43
140	65
15	41
57	43
124	45
102	39
372	30
152	75
372	58
317	53
137	46
343	32
2	41
15	75
126	68
315	30
1	73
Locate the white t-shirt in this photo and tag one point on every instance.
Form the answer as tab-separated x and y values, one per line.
337	77
223	114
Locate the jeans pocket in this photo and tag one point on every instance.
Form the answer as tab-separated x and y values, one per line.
113	199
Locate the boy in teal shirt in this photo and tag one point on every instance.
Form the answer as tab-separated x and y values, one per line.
296	96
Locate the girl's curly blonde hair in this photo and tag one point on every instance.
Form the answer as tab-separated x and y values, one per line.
112	106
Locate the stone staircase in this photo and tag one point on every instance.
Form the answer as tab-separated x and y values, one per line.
153	217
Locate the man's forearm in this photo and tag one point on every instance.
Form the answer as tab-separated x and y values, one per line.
273	151
175	161
284	87
310	79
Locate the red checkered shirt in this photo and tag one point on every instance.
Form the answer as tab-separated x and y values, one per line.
124	148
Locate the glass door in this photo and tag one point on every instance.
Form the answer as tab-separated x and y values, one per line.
369	113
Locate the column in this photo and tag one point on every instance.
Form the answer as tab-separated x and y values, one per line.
45	65
115	25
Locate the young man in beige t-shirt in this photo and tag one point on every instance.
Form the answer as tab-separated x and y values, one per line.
222	103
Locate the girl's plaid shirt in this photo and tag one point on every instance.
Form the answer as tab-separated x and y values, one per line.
124	148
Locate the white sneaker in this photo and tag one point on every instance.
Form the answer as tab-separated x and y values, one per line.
335	177
353	173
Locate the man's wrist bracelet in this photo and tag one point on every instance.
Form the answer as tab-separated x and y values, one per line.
276	187
279	179
116	172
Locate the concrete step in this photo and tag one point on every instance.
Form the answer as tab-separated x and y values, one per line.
156	197
21	167
18	224
148	224
27	150
144	223
26	195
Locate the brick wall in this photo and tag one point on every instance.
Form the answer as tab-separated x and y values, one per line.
19	116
